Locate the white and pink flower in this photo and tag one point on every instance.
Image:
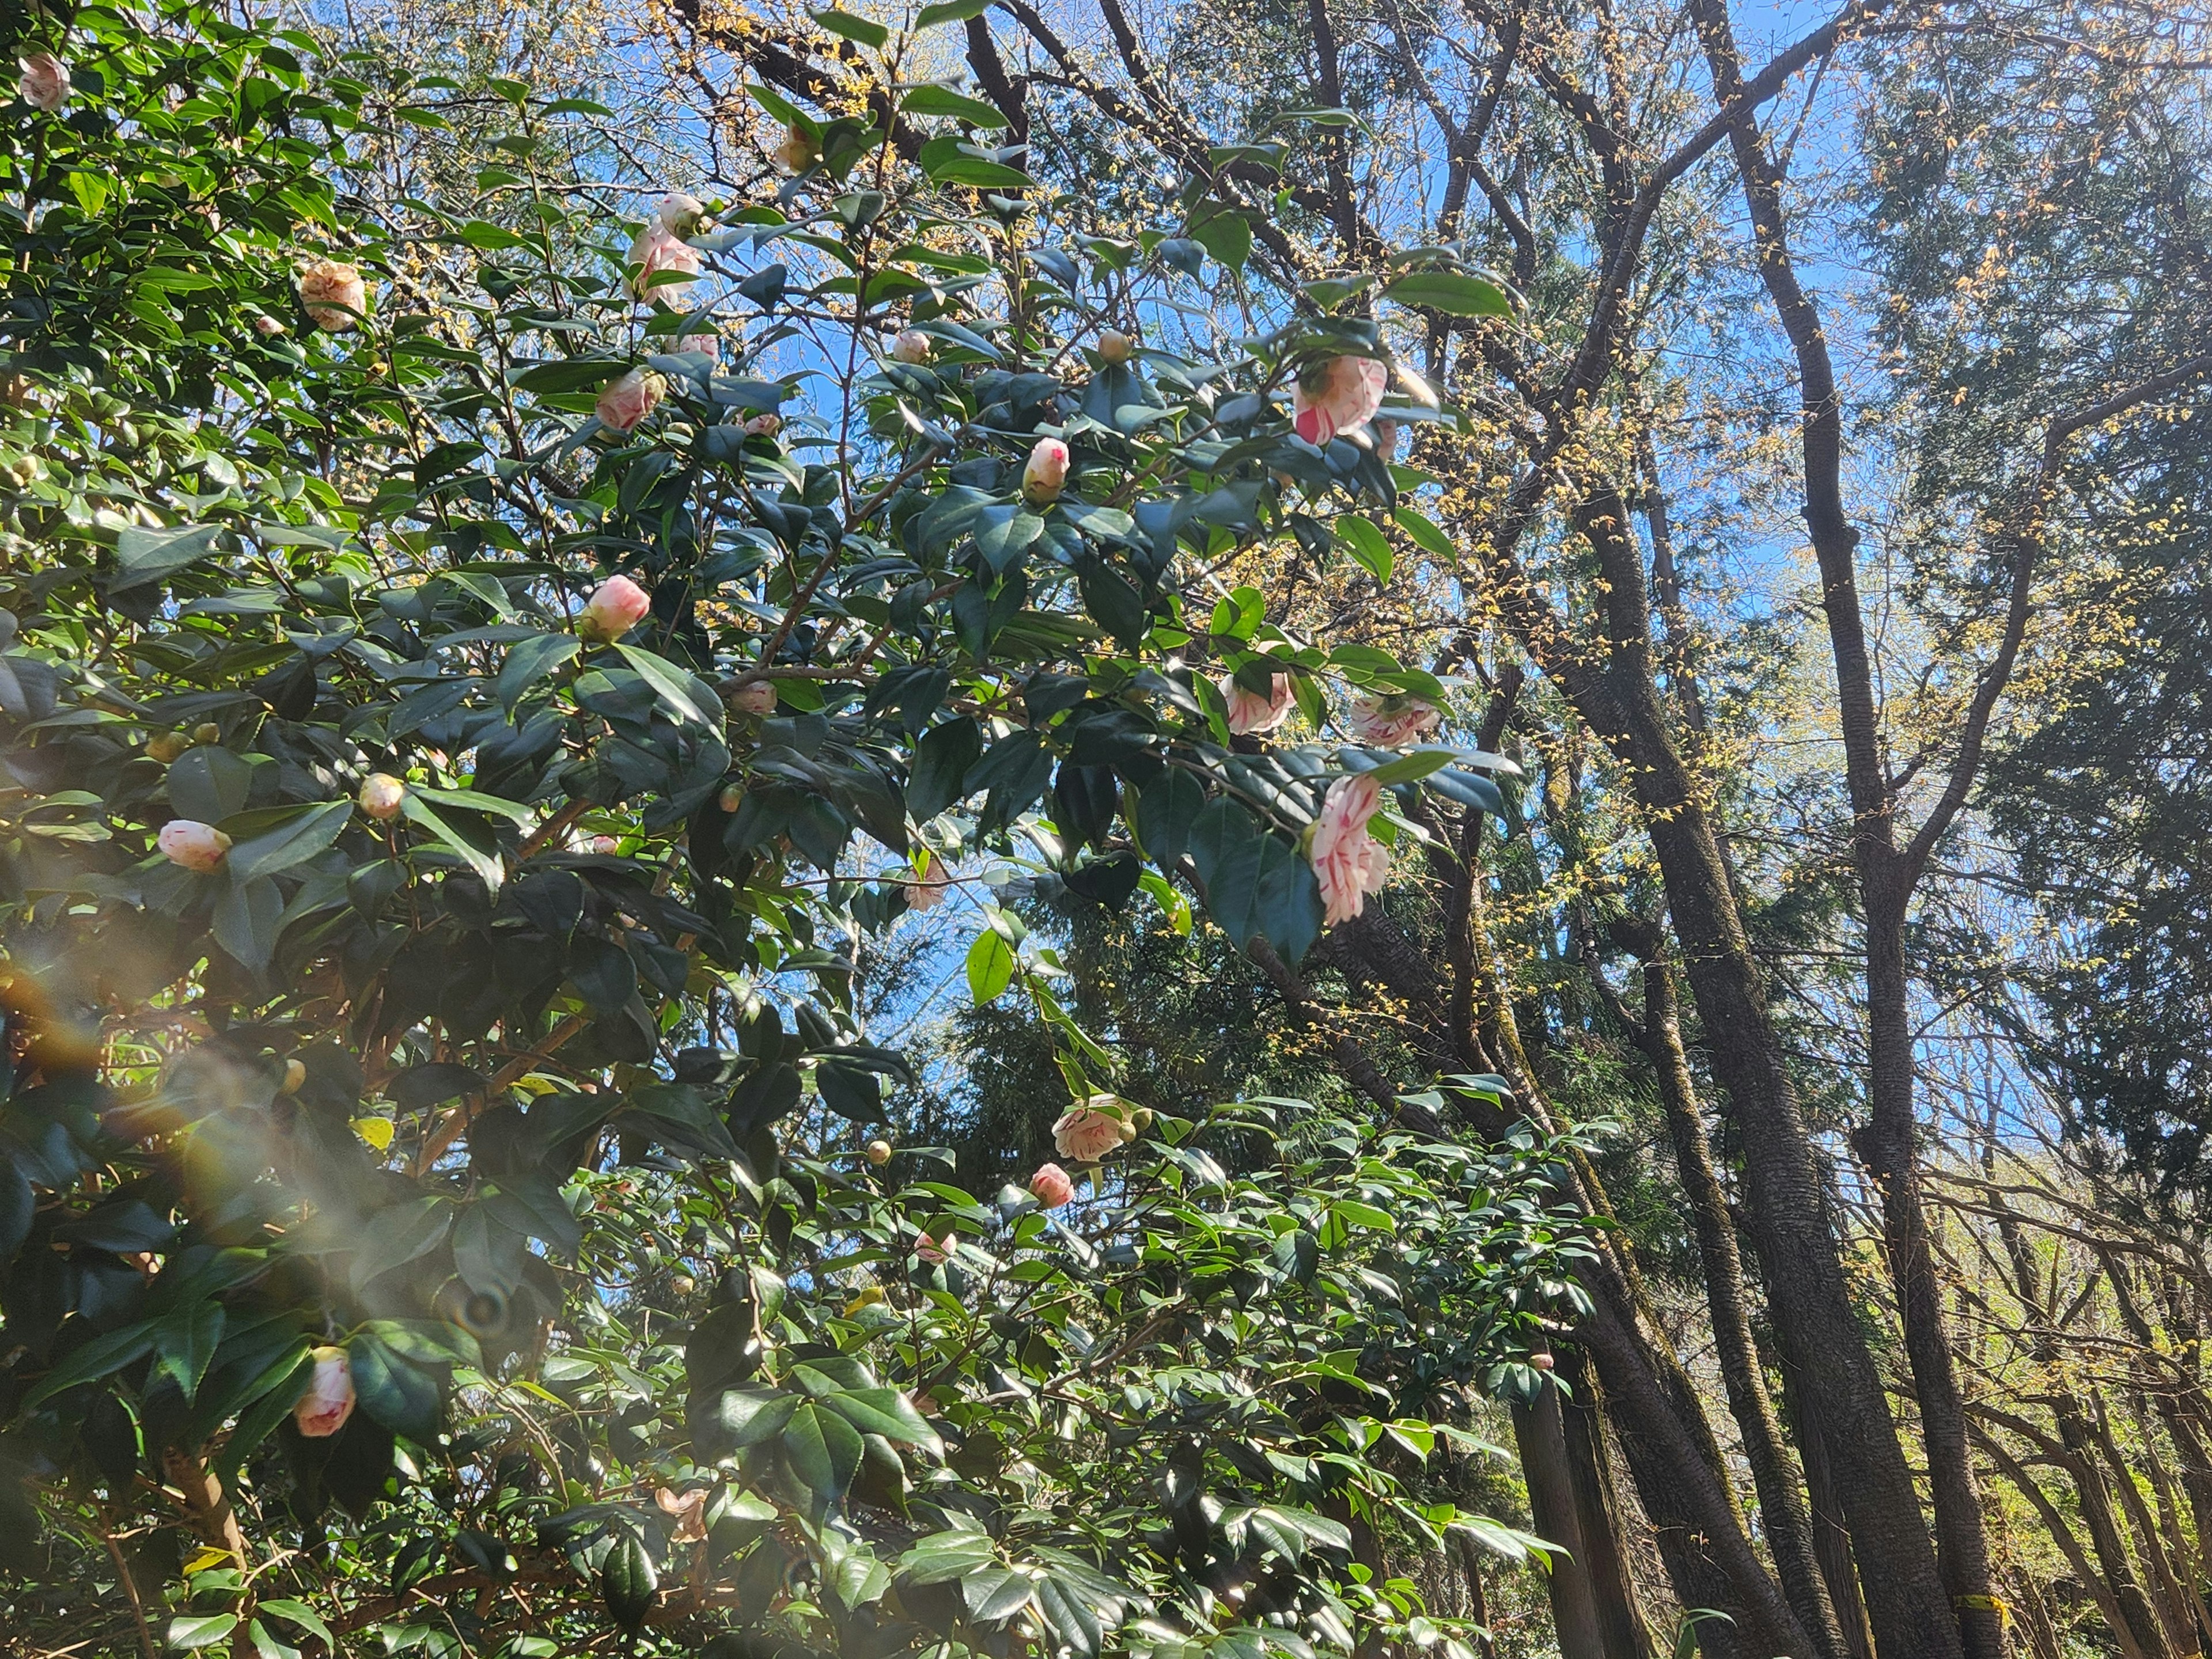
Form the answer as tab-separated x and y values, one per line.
194	845
628	399
755	697
618	605
382	796
334	294
323	1409
1250	714
911	346
1089	1133
1046	473
663	260
796	153
1337	396
1348	863
1390	722
45	81
1052	1186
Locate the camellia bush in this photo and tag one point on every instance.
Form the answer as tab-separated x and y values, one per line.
467	689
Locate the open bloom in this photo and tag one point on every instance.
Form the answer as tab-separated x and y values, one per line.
1251	715
1337	396
658	250
1347	861
1046	474
381	796
1086	1134
912	346
333	294
196	846
323	1410
796	153
1052	1186
617	607
688	1510
45	82
1388	722
927	893
754	697
937	1249
628	399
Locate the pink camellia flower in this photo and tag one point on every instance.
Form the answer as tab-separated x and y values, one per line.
656	251
1250	714
688	1510
705	341
912	346
196	846
606	846
1347	861
927	893
755	697
45	82
268	325
1386	438
382	796
627	399
618	605
1046	474
1388	722
764	426
1337	396
323	1410
1052	1186
796	153
1085	1132
332	292
935	1250
679	213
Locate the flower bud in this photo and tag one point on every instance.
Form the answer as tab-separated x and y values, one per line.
764	426
755	697
732	797
267	324
333	294
195	845
1114	346
683	1284
912	346
1046	474
796	153
627	399
1542	1362
165	746
323	1408
879	1153
617	607
606	846
207	731
45	82
381	796
295	1073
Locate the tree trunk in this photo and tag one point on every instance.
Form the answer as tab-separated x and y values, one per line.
1589	1463
1831	1540
1540	1432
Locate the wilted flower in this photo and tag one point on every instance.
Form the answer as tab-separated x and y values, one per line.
796	153
656	251
1251	715
1052	1186
1388	722
332	292
1348	863
196	846
1085	1132
628	399
323	1410
1046	474
618	605
1114	346
689	1511
381	796
45	82
755	697
1336	396
911	346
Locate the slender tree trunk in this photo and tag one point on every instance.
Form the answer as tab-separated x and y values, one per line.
1590	1464
1832	1538
1539	1431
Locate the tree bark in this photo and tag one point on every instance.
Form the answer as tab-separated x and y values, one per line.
1539	1433
1590	1464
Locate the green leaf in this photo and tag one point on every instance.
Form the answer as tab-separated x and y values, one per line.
951	11
823	1450
186	1341
245	918
864	30
990	967
942	760
675	688
100	1356
996	1593
1368	545
1425	534
396	1392
1451	292
143	555
886	1412
207	783
1414	764
290	843
775	103
530	661
201	1630
488	869
628	1583
474	800
300	1613
943	100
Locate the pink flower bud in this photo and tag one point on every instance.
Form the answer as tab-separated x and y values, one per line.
323	1410
1337	396
45	82
267	326
679	213
755	697
732	797
912	346
196	846
664	261
1348	863
1251	715
606	846
764	426
1046	475
937	1249
381	796
627	399
333	294
1088	1133
1115	347
618	606
1542	1362
1052	1186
